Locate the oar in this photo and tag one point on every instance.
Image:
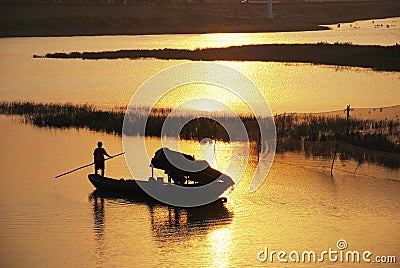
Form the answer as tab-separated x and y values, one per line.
88	165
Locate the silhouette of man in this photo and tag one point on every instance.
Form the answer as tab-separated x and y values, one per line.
348	111
99	154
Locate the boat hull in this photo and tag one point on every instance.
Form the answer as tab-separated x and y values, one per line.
112	185
147	189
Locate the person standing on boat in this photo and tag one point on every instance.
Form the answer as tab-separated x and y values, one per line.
99	154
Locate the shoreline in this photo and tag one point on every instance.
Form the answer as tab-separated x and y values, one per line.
50	20
310	134
379	58
379	135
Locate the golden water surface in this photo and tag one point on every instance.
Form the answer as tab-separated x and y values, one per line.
47	222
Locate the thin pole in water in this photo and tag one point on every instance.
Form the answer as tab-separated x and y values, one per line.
88	165
347	119
269	10
334	157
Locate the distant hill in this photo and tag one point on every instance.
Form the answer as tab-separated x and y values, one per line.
123	17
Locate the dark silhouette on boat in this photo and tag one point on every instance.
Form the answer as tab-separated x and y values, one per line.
199	173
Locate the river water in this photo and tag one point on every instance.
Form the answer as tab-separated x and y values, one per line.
288	87
46	222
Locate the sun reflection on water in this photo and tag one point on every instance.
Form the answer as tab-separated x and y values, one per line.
220	243
220	100
228	39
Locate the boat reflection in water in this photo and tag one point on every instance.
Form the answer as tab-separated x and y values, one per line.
165	221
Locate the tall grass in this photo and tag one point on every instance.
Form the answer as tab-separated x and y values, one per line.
66	115
111	121
380	135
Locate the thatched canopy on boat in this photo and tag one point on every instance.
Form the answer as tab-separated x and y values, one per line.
183	167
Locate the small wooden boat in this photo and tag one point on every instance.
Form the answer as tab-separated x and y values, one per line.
178	185
111	185
145	190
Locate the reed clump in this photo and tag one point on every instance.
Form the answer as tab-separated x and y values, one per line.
382	135
66	115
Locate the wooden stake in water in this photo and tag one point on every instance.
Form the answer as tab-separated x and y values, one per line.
334	157
347	119
88	165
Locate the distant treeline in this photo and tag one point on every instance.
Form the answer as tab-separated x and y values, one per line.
383	58
130	17
380	135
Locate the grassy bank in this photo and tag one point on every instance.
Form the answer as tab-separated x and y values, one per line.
376	57
382	135
150	18
111	121
66	116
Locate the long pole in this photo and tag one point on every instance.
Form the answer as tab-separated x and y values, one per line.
88	165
